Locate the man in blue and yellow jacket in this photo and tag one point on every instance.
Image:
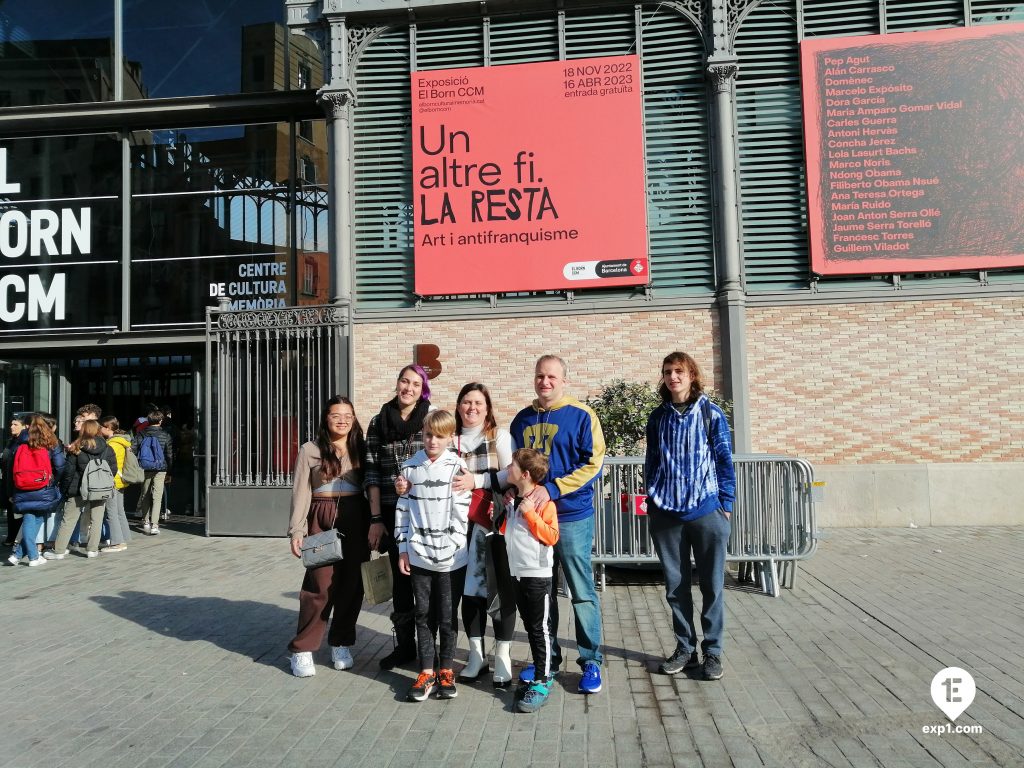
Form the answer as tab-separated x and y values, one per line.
569	434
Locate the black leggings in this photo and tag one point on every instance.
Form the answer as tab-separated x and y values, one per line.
474	609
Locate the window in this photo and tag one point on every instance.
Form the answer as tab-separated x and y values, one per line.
67	45
308	170
201	48
305	78
306	130
309	276
202	216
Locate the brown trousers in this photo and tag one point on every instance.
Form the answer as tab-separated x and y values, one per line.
334	588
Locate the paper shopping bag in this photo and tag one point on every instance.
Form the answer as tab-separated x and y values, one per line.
377	579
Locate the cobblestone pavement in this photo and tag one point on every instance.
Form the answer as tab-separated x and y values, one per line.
172	653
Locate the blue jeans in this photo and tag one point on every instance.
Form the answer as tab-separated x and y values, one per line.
30	525
572	554
708	538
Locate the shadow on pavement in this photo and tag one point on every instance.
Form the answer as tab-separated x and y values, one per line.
259	631
246	627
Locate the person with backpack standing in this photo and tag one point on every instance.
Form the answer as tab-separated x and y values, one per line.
691	487
88	483
19	424
38	462
117	520
155	450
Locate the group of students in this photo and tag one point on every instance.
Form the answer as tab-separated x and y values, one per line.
481	518
83	482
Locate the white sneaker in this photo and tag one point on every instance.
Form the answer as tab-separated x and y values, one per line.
91	553
37	561
154	531
342	657
13	559
52	554
302	664
146	527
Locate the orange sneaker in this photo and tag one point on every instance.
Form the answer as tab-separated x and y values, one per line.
446	682
423	687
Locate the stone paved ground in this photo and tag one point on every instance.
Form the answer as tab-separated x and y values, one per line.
173	654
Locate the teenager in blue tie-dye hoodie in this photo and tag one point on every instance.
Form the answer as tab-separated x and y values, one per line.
691	486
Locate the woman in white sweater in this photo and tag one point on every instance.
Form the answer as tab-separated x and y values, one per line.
485	449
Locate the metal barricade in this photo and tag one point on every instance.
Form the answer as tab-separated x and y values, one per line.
773	523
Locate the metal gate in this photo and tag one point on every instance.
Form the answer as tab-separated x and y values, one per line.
268	374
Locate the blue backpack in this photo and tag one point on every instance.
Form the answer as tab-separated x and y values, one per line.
151	454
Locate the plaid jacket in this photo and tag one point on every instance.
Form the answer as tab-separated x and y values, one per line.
384	460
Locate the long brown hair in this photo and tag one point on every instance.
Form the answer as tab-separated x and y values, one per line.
87	436
696	382
330	464
490	425
40	435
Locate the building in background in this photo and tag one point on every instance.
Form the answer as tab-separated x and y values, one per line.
158	159
905	389
154	158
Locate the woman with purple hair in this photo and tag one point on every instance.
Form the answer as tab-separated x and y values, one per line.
394	435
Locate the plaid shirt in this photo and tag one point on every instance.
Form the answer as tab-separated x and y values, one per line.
384	460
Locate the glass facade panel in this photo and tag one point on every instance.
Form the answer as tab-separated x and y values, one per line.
56	52
27	386
60	233
211	216
205	48
312	263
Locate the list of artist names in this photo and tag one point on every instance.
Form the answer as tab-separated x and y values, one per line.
876	177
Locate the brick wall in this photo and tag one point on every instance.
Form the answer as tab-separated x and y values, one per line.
864	383
501	354
903	382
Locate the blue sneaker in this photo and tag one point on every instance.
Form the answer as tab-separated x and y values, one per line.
535	696
591	680
529	672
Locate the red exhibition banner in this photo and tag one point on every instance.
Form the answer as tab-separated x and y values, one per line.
529	177
915	150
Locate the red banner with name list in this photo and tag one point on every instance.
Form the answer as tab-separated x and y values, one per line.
915	150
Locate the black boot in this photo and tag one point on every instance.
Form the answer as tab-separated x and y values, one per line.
405	641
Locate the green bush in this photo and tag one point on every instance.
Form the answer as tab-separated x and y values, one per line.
623	408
